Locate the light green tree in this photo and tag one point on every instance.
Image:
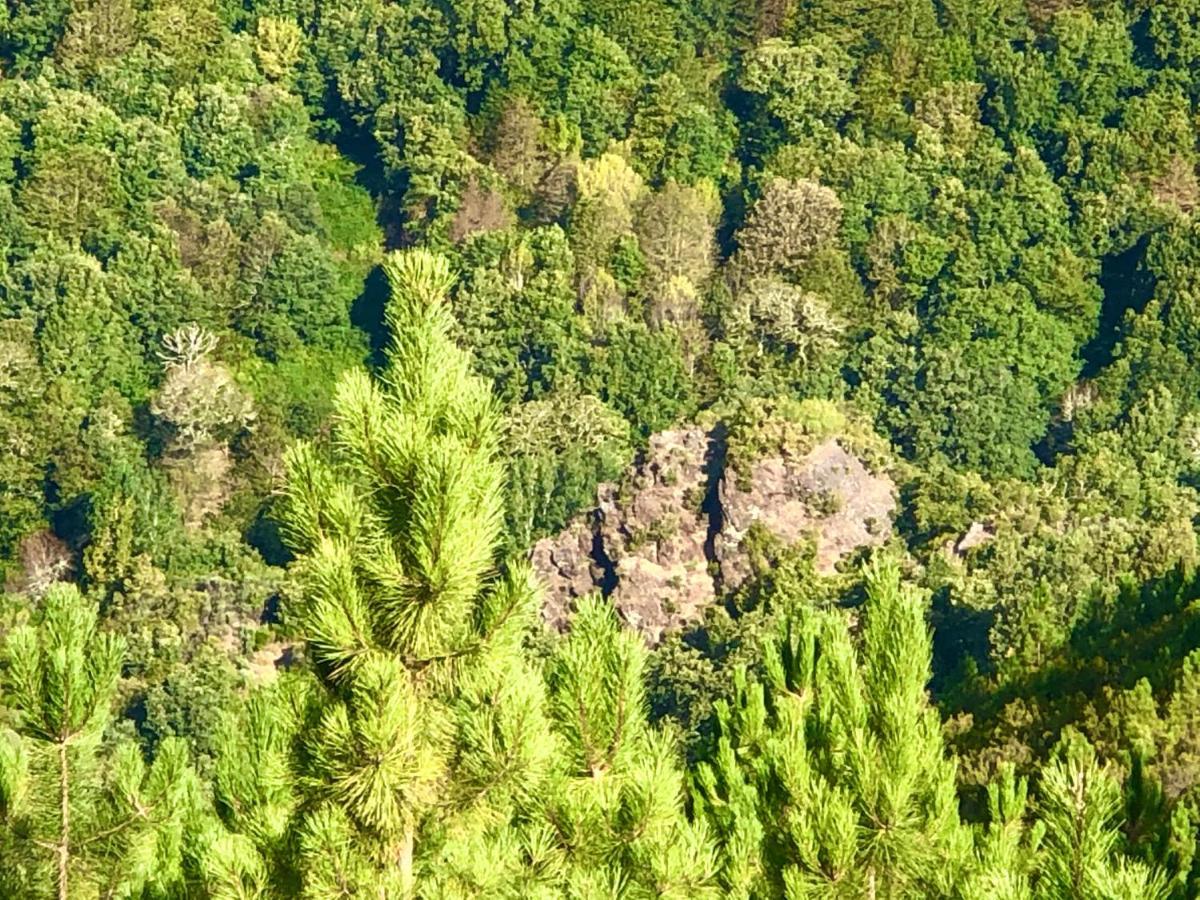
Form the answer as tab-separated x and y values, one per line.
831	779
1080	805
616	802
81	817
431	727
429	754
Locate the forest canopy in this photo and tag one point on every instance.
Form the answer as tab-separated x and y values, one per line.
671	448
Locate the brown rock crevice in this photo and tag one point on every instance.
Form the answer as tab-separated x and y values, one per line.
714	475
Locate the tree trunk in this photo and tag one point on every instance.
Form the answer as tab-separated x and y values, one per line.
64	811
406	862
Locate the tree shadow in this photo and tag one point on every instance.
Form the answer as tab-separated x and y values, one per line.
960	642
264	535
1145	632
1127	286
367	314
358	144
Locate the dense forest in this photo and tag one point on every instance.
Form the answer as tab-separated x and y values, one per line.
594	449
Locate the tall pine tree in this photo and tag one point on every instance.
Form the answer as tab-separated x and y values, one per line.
830	778
430	727
79	816
430	754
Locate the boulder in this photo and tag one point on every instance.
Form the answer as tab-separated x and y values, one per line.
979	534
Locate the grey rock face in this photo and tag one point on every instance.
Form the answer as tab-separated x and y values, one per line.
661	542
653	534
827	495
565	566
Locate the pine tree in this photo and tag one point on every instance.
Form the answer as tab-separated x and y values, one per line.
429	754
1080	805
250	851
431	729
1006	846
616	804
80	817
831	779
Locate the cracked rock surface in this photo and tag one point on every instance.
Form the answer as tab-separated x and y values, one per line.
662	542
828	495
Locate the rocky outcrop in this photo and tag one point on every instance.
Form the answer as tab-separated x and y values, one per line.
653	531
567	570
665	541
827	495
979	534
